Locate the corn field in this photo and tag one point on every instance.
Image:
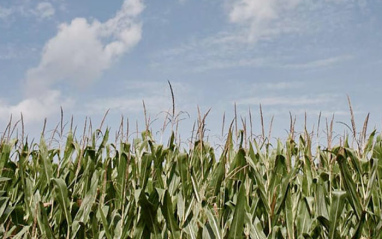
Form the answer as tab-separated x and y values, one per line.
140	189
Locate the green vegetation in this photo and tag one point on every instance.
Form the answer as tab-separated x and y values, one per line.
92	188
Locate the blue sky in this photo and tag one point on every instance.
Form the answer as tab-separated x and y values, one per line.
288	55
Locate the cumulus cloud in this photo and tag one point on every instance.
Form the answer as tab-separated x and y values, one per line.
82	50
45	10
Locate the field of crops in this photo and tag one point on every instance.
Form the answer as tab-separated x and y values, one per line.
94	187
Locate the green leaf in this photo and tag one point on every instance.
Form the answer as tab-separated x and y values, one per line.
373	181
336	208
43	223
23	233
86	205
3	179
213	223
5	152
183	169
320	197
256	230
61	192
237	226
260	184
101	211
148	217
46	163
355	199
289	215
3	205
303	220
195	187
168	214
361	223
122	174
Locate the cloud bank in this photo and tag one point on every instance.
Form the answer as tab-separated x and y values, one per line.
82	50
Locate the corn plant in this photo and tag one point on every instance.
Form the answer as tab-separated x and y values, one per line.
97	189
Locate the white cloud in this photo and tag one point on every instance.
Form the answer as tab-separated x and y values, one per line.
289	101
82	50
45	10
224	64
320	63
268	19
258	15
36	108
224	50
269	33
27	9
78	54
282	85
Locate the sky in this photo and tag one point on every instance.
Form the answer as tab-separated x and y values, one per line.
291	56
